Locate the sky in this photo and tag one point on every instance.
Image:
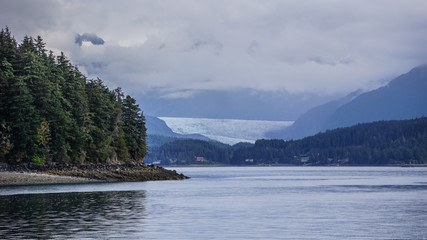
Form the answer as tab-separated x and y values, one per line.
178	48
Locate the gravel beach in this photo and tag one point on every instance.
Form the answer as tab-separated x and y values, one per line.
30	174
24	178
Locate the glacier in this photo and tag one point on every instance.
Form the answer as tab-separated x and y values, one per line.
229	131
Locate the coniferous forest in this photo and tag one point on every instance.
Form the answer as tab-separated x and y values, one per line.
51	113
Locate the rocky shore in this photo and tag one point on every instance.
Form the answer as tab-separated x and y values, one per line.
23	174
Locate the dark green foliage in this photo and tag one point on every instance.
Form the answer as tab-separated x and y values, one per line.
242	145
82	119
8	46
134	128
190	151
379	143
19	115
155	141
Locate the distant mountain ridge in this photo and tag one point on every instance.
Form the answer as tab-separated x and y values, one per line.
312	121
402	98
156	126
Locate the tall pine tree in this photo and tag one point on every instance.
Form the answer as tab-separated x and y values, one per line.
134	129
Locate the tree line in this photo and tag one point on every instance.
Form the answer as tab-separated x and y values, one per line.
190	151
378	143
50	112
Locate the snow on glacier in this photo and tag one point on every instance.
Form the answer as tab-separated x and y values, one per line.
230	131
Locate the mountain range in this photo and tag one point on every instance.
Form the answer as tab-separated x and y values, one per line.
405	97
402	98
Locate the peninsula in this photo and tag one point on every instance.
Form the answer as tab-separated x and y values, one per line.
56	122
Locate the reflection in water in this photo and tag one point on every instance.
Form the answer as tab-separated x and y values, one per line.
72	215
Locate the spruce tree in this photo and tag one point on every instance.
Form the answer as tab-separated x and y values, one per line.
134	129
8	46
21	117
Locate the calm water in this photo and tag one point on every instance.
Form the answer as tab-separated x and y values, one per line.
228	203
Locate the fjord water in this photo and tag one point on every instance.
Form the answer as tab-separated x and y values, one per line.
228	203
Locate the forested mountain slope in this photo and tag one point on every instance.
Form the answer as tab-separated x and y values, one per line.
377	143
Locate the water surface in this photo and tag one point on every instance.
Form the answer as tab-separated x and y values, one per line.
228	203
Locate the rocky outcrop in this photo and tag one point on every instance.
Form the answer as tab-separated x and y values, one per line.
134	172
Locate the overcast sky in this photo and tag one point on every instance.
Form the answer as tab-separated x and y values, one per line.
180	47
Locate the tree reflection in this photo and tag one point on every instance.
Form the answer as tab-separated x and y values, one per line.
72	215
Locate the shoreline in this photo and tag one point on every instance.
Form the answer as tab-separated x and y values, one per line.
289	165
28	178
31	174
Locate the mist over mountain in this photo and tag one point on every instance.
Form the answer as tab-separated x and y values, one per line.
402	98
232	104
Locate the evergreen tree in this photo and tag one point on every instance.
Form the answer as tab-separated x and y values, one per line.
121	152
21	113
134	129
101	106
40	47
75	103
8	46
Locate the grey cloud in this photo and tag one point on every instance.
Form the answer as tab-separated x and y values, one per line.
319	47
320	60
89	37
30	17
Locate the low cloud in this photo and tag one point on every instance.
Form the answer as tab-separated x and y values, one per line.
88	37
181	48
